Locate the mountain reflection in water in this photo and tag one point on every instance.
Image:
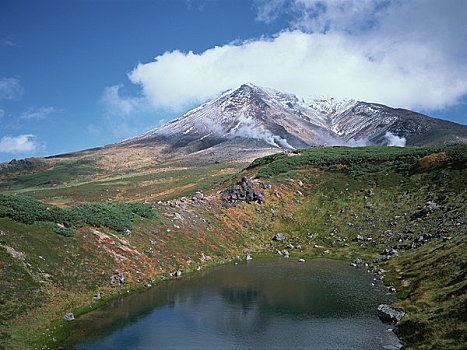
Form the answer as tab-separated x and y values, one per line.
265	303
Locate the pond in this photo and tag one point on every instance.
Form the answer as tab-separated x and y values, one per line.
265	303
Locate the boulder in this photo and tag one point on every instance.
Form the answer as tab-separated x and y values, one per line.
69	316
118	277
429	207
387	314
279	237
382	258
441	176
198	196
357	261
242	191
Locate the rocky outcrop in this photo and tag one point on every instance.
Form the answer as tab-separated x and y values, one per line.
429	207
387	314
279	237
242	191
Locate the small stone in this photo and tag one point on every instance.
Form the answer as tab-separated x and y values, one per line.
178	273
326	252
441	176
248	257
69	316
301	260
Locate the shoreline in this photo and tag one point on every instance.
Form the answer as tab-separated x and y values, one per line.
67	326
273	258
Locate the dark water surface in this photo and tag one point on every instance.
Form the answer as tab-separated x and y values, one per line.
262	304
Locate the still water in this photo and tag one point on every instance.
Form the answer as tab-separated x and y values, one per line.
261	304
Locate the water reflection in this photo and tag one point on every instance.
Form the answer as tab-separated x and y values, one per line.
266	303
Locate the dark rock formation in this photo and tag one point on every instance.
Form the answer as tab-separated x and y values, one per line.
242	191
387	314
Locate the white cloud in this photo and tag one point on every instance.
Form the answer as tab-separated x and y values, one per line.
322	16
37	113
10	89
116	104
120	112
404	54
8	41
18	144
269	10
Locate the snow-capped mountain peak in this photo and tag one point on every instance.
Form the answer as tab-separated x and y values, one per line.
284	120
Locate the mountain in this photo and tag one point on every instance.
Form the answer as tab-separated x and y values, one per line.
252	116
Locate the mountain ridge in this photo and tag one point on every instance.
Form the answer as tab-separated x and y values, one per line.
286	121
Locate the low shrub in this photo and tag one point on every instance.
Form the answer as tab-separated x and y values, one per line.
64	231
116	216
357	161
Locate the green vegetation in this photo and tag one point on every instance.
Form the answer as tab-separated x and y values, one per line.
116	216
266	160
151	186
369	205
64	171
347	202
356	161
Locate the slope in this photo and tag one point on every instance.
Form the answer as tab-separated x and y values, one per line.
339	202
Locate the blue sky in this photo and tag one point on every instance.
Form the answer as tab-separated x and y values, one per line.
77	74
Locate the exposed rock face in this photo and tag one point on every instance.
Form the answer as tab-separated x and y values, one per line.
387	314
26	164
242	191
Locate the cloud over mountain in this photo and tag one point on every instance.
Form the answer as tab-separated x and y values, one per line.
394	52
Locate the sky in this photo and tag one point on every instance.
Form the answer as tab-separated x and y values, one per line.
78	74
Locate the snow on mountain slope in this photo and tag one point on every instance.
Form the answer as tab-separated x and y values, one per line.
286	121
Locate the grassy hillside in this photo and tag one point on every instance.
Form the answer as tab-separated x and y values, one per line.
71	181
339	202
